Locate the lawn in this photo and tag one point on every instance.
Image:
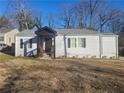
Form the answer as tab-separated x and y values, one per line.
25	75
5	57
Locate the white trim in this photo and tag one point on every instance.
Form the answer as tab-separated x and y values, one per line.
117	47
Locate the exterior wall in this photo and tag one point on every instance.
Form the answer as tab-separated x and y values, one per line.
103	46
96	46
10	37
59	46
26	50
91	50
2	44
109	46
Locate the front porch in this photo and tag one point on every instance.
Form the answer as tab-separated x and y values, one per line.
46	42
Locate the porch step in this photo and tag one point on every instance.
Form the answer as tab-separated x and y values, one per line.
46	56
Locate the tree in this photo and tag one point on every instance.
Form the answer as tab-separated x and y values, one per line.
51	20
92	14
38	22
116	25
4	22
106	18
24	17
86	12
93	5
80	10
68	16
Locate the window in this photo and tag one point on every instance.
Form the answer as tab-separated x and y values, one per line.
30	43
76	42
81	42
21	43
2	38
71	42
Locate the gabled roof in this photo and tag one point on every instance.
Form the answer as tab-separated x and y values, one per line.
4	30
35	31
28	33
80	32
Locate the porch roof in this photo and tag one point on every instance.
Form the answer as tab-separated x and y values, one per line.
45	31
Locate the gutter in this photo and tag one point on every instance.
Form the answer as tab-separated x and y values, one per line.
100	46
65	45
116	47
65	48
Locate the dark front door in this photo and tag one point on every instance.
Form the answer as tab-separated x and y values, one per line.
40	47
48	46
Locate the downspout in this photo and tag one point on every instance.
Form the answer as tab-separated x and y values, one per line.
116	47
25	49
37	46
100	47
65	49
54	48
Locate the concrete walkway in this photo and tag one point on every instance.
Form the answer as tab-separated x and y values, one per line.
121	58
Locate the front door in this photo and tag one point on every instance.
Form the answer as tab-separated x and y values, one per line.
48	46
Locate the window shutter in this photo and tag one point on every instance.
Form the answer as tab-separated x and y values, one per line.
84	42
21	43
69	43
75	42
30	43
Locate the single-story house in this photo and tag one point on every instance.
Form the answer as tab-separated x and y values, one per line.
79	43
7	37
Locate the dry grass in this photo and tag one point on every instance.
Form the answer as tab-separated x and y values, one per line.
61	76
5	57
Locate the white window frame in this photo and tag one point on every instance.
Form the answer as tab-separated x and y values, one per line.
76	43
81	42
1	38
73	42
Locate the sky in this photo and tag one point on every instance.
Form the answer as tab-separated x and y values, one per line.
46	6
52	6
49	6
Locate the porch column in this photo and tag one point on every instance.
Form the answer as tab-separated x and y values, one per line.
43	44
40	46
53	47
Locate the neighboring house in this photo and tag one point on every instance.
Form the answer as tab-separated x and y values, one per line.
79	43
7	37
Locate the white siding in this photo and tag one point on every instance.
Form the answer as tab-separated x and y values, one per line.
20	51
10	37
109	46
2	42
92	47
96	46
59	46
